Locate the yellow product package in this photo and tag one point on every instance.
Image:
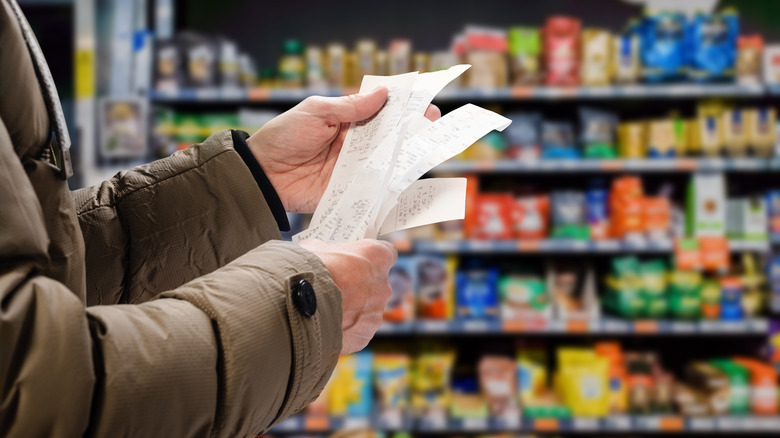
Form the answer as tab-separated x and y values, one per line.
584	382
761	134
431	392
661	139
531	375
391	383
595	69
632	140
735	138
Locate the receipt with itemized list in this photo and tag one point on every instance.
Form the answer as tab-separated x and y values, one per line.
374	188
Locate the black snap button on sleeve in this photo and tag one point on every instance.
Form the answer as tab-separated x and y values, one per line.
304	298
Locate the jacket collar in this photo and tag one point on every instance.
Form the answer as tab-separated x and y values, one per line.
61	138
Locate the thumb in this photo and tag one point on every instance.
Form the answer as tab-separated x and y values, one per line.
354	107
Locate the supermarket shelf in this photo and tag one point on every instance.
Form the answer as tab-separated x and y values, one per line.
629	424
565	246
212	95
609	326
616	166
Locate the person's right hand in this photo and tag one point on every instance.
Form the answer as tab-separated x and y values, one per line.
360	269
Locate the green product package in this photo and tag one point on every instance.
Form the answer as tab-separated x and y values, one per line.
189	128
685	294
552	411
525	48
625	296
739	385
213	122
710	292
654	278
524	291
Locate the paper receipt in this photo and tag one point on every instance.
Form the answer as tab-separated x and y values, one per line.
375	187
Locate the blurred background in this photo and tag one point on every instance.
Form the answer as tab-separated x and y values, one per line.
615	272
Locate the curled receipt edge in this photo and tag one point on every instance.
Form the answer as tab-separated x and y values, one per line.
374	188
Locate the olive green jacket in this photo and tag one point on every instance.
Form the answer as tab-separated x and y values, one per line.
155	304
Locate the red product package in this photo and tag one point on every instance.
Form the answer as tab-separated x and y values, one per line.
531	217
562	51
492	217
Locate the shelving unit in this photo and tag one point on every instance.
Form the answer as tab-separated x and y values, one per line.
205	99
625	424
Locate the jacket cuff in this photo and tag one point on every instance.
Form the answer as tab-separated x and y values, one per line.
271	197
275	360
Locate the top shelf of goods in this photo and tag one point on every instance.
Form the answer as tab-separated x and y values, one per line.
558	60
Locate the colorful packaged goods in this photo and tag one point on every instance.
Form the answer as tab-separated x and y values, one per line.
663	48
315	68
625	289
524	137
436	281
763	386
558	141
761	135
712	46
531	374
731	299
657	218
421	62
639	383
749	56
597	200
403	281
498	385
595	69
399	57
685	294
486	52
492	216
431	393
710	299
746	218
627	208
754	286
712	383
531	217
561	39
707	205
772	64
773	208
569	215
661	139
738	385
735	134
618	391
292	66
524	298
466	402
625	58
632	140
525	45
654	288
598	133
392	382
337	66
351	386
583	382
366	58
572	288
477	294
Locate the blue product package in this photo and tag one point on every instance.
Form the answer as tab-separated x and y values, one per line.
773	273
711	41
731	303
773	210
596	203
663	49
477	294
558	141
363	375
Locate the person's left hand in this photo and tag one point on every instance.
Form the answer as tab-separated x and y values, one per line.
298	149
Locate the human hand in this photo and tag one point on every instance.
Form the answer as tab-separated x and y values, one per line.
360	269
298	149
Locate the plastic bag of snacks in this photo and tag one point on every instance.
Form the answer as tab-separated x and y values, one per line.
663	50
712	42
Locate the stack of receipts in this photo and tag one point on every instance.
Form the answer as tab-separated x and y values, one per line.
374	188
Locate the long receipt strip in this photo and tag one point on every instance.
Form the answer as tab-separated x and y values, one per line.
375	187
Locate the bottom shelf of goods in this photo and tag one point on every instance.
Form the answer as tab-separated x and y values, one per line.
600	387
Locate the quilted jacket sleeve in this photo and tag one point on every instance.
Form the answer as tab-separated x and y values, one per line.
221	354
